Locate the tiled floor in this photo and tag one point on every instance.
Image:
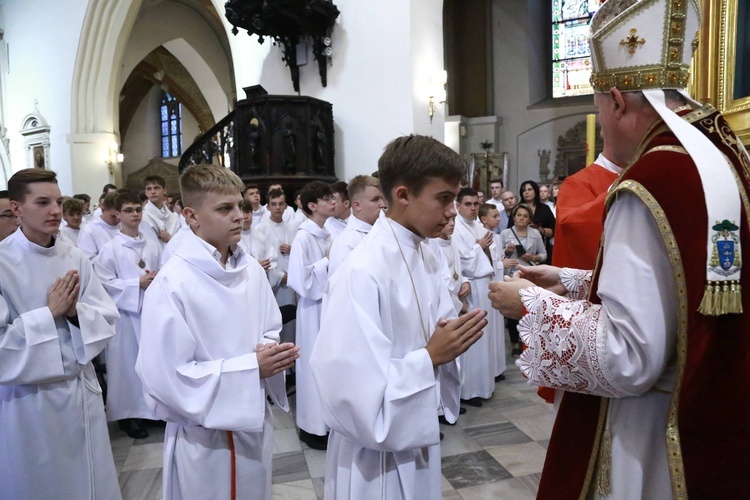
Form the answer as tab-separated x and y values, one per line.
496	451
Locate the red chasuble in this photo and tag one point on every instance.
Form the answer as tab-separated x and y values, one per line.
579	225
708	426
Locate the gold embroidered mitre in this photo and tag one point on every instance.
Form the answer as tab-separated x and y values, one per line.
643	44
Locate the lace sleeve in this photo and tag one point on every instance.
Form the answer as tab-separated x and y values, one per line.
576	281
566	346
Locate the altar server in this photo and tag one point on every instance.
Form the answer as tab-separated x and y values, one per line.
385	356
54	318
126	267
308	275
159	222
101	229
8	220
208	354
335	225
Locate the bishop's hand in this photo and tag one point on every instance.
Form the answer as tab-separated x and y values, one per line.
454	337
504	296
547	277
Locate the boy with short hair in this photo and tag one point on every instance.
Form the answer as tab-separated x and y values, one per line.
367	204
288	211
254	242
126	266
8	220
335	225
280	235
308	275
159	222
473	242
252	195
385	357
299	214
86	200
73	216
101	229
450	265
55	317
208	353
489	216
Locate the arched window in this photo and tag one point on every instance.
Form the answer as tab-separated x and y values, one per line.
571	56
171	126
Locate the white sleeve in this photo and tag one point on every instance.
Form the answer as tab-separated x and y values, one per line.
621	347
368	395
306	276
125	292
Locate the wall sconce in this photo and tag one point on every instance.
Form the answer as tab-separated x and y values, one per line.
112	157
438	94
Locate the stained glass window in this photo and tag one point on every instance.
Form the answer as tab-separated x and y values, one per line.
571	56
171	126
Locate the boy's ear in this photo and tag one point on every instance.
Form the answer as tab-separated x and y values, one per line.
190	216
312	206
401	195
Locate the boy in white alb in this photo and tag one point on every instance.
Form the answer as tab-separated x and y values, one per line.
288	211
8	220
450	265
126	267
489	216
254	242
208	355
308	275
159	222
335	225
367	204
55	317
73	216
385	356
473	243
252	195
280	235
101	229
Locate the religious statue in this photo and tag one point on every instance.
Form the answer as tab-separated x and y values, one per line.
290	147
320	149
253	138
544	164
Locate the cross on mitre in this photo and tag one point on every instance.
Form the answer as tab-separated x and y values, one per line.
632	41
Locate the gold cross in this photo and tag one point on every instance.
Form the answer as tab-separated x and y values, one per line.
632	41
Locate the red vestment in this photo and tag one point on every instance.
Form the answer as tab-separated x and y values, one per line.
707	426
580	224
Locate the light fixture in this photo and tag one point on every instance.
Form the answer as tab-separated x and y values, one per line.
113	157
438	94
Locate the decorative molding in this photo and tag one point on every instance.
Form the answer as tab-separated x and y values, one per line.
36	139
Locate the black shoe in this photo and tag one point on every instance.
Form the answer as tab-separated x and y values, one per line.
443	420
500	378
462	411
475	402
133	428
314	441
441	436
516	351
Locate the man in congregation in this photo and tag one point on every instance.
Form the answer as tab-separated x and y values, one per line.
55	317
655	360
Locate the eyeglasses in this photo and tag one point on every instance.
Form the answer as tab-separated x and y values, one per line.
131	210
7	215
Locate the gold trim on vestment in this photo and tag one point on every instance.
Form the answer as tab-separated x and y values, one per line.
674	451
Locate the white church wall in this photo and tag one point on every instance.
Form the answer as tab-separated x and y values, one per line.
42	55
377	78
517	70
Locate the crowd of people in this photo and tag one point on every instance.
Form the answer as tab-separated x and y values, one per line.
382	304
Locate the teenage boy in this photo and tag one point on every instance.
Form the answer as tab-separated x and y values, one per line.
126	266
8	220
280	235
208	353
55	317
252	195
367	204
86	200
385	357
288	211
299	214
308	275
159	221
101	229
73	216
489	216
254	242
496	192
450	266
473	243
335	225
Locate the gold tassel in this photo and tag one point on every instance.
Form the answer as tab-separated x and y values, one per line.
706	306
735	306
604	476
725	298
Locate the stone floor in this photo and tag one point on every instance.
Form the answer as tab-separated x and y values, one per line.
495	451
